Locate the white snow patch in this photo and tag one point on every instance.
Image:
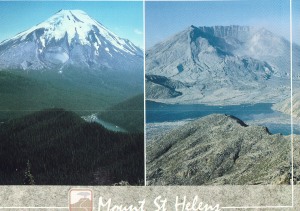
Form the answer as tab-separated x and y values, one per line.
42	41
96	45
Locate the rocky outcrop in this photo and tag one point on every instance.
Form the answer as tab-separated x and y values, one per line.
162	87
235	31
218	150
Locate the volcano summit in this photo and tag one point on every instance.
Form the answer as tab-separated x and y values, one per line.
70	38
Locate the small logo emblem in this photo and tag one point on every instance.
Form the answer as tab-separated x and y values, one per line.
80	200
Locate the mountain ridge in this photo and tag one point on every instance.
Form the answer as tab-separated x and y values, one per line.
221	150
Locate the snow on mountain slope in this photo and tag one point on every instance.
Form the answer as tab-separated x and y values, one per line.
69	38
222	65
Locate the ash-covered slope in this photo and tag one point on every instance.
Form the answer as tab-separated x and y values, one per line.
220	149
285	105
223	63
70	38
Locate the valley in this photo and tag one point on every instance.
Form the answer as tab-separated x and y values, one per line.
162	118
23	92
218	108
205	68
37	134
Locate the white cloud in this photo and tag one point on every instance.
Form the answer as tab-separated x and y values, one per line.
137	31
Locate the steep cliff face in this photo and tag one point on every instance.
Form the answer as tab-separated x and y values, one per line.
219	149
235	31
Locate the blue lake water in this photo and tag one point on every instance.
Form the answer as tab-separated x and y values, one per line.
159	112
110	126
107	125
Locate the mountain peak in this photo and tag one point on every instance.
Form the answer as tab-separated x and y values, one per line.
72	14
59	38
62	11
70	22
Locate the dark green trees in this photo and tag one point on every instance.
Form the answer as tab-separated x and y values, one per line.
63	149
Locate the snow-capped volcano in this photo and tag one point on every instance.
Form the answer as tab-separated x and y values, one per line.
69	38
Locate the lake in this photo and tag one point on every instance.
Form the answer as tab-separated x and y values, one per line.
259	114
107	125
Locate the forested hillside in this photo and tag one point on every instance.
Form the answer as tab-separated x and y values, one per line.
57	147
128	114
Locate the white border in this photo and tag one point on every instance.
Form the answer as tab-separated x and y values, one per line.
34	208
292	129
292	122
145	132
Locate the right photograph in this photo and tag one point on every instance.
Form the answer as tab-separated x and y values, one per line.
219	87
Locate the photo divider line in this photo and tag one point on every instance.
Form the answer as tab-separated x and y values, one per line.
145	132
292	123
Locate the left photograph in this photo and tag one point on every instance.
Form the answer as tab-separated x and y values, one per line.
72	93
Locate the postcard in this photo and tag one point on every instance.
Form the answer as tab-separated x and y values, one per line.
149	105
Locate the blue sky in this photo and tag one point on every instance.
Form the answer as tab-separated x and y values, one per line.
123	18
163	19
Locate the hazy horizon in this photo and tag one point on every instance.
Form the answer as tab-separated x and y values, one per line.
165	19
